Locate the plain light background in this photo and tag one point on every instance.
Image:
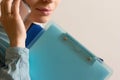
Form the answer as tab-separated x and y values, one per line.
95	24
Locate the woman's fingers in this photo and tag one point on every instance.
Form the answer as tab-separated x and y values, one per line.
10	7
2	8
6	6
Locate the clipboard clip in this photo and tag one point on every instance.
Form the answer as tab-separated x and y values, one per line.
78	48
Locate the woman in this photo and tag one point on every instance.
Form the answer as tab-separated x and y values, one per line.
13	34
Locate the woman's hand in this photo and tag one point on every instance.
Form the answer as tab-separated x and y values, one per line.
13	23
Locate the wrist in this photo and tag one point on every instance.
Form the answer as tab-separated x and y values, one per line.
17	43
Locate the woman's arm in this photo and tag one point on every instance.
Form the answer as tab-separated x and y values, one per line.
17	56
17	60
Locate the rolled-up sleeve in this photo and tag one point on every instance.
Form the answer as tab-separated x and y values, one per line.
17	64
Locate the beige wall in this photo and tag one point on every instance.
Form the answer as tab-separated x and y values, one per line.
96	24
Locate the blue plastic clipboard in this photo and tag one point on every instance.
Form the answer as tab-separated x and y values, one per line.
55	55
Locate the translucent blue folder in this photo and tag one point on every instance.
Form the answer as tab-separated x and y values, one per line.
55	55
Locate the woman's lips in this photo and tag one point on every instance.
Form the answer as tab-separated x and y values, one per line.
44	11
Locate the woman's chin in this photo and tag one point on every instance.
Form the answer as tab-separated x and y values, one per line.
41	19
